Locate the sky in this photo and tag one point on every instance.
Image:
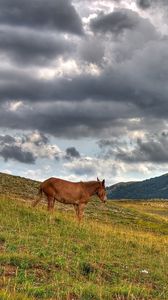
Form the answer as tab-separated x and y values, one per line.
84	89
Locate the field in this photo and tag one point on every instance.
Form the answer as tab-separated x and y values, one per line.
120	251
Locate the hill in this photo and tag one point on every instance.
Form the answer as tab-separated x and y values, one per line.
27	189
118	252
154	188
18	187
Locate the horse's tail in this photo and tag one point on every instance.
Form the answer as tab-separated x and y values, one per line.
40	192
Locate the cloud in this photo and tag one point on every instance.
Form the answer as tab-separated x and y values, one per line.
51	15
83	167
30	47
88	168
144	3
28	148
86	104
16	153
111	147
6	139
115	22
150	150
132	83
72	153
72	120
128	75
10	150
37	138
92	50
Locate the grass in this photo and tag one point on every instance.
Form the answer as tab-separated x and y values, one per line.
120	251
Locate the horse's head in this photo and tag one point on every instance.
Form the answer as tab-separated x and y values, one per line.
101	193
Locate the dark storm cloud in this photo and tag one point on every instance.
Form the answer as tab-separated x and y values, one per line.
140	79
111	148
111	143
52	14
115	22
16	153
144	3
71	120
32	47
134	86
151	150
6	139
10	149
72	153
92	51
26	148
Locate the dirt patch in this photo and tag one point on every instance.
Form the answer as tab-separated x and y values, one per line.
9	270
72	296
2	248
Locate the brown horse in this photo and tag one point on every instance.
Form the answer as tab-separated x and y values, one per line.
76	193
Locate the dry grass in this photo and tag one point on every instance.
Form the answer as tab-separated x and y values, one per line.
119	252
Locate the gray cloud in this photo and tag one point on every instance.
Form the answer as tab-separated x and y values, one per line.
92	50
6	139
110	143
32	47
115	22
150	150
27	148
53	14
160	5
138	78
10	149
144	3
134	88
72	153
39	139
16	153
71	120
130	81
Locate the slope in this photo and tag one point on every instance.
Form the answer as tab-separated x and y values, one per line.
154	188
118	252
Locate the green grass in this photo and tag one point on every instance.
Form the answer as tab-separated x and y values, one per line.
120	251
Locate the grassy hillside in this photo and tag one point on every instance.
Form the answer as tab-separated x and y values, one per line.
18	187
120	251
154	188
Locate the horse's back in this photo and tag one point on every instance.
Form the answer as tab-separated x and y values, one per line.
62	189
53	181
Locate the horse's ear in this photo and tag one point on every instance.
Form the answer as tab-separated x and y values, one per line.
98	179
103	182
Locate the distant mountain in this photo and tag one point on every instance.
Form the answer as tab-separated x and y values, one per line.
154	188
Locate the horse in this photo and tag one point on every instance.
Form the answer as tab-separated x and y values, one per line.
75	193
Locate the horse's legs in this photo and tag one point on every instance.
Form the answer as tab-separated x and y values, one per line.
81	211
54	202
50	203
76	207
